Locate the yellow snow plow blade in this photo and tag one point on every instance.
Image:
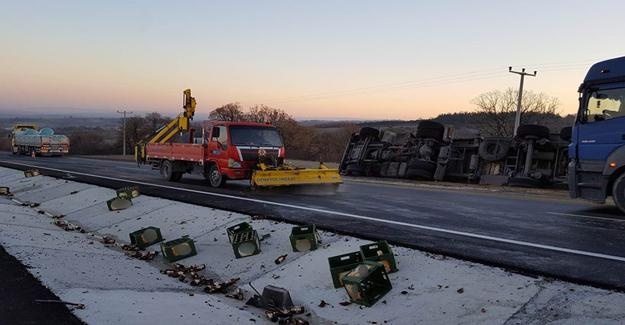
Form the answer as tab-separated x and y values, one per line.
289	175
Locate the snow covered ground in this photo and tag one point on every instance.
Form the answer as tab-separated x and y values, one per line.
115	288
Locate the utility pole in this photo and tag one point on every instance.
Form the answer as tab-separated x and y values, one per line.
124	112
517	117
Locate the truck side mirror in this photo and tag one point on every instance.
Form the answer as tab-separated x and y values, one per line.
215	133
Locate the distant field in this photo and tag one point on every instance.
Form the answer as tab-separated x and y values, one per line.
63	122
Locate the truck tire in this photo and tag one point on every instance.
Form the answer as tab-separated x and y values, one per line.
532	131
366	132
215	177
618	192
420	169
353	170
546	147
177	176
493	149
167	171
430	130
566	133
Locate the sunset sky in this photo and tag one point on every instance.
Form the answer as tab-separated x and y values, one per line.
314	59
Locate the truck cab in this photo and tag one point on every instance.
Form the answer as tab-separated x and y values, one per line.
17	127
597	149
233	148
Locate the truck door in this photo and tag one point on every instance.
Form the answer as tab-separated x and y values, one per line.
218	145
601	124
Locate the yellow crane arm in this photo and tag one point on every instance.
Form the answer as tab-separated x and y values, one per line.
178	124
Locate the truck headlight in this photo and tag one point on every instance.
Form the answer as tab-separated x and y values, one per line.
233	164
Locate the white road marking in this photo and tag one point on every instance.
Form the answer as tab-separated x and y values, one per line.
353	216
585	216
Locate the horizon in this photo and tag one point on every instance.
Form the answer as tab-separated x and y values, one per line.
322	60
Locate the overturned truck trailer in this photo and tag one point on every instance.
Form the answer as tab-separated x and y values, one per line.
431	151
385	153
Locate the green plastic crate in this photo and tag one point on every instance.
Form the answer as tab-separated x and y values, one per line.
115	204
343	264
380	252
238	228
245	243
145	237
367	283
304	238
128	192
31	172
178	249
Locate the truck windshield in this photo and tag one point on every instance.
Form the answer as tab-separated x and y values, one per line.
605	104
255	136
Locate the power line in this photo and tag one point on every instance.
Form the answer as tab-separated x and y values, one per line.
395	87
428	82
381	86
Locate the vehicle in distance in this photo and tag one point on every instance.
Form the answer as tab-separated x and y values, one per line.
27	140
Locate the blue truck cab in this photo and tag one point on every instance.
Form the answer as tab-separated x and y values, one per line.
597	150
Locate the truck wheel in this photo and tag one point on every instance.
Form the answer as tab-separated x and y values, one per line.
176	176
355	137
215	178
431	130
566	133
420	169
353	170
366	132
493	149
618	192
167	171
532	131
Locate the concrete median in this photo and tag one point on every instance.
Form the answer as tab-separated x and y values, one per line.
117	288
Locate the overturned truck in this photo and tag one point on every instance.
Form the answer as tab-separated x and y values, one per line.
432	151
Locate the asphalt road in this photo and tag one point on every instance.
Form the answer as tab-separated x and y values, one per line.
547	235
19	293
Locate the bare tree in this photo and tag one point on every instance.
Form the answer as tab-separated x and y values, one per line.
292	132
154	121
265	114
135	130
498	109
230	112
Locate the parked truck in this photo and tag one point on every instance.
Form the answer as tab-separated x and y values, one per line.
27	140
597	149
225	151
